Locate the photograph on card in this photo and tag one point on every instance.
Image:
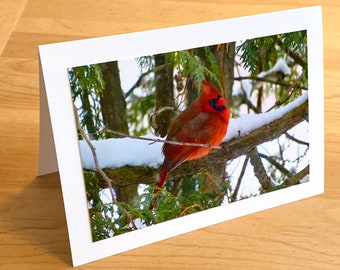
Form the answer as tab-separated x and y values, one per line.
168	135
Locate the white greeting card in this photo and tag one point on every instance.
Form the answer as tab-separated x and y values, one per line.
268	67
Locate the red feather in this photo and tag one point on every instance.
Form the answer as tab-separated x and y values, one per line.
205	121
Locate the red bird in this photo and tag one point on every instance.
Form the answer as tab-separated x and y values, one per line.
205	121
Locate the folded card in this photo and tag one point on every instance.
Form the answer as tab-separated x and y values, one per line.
162	132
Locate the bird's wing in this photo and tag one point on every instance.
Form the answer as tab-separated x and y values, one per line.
203	128
200	129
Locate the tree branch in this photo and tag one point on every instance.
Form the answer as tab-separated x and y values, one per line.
259	169
259	79
278	166
295	179
296	140
140	79
239	180
290	89
232	149
162	141
292	54
94	154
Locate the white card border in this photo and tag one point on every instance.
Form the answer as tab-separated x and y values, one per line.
56	58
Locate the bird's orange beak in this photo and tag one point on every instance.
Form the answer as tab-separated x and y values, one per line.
221	102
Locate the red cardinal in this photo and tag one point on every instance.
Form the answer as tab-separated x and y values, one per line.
205	121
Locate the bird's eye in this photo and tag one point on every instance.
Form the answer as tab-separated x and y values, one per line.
217	103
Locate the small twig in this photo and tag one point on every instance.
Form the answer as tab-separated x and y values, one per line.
132	222
259	79
247	101
291	88
140	79
162	141
239	180
296	140
190	207
280	167
94	154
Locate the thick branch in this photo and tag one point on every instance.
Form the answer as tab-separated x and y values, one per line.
259	170
243	145
230	150
296	178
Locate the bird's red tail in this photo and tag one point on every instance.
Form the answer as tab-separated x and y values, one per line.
162	178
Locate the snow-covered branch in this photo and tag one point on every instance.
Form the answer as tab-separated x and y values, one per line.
243	135
241	139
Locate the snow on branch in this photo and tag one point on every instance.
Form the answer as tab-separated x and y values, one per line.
249	122
244	133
